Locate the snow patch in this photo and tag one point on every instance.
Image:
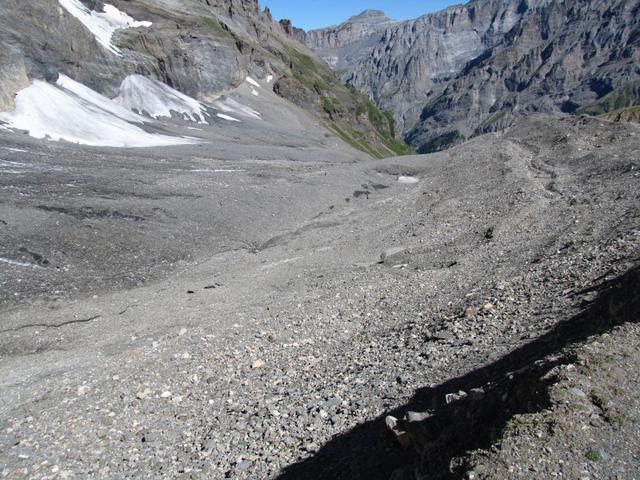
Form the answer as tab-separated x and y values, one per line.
17	264
229	105
19	150
253	82
95	98
227	117
102	24
408	180
9	167
144	94
51	111
7	163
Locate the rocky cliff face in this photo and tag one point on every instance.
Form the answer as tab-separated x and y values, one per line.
342	45
564	57
199	47
473	68
398	63
44	39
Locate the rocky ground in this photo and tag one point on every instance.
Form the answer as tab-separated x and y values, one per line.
589	429
346	297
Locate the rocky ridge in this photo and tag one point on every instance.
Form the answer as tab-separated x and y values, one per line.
475	68
342	45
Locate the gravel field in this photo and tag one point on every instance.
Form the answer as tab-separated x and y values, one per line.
170	314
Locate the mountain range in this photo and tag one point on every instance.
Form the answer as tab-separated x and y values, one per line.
433	81
475	68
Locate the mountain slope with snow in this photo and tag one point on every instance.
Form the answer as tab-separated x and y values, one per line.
175	58
70	111
79	115
103	24
153	98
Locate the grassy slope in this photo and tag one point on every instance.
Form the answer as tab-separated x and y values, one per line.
344	110
629	114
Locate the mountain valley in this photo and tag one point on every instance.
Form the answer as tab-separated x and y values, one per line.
220	259
476	68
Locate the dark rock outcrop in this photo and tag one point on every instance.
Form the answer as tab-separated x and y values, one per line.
293	32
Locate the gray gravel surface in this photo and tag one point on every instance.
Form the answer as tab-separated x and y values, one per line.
591	428
274	340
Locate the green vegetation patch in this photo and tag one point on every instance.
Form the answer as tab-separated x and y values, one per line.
306	71
357	140
384	125
593	456
332	106
351	115
625	96
599	400
214	25
490	123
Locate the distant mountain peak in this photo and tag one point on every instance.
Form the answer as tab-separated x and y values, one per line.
370	16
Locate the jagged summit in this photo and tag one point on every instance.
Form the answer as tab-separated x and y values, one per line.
367	19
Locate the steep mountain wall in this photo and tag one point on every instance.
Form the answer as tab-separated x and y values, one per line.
474	68
560	58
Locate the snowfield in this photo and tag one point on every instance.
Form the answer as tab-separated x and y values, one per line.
95	98
227	117
253	82
408	180
102	24
156	99
17	264
70	111
229	105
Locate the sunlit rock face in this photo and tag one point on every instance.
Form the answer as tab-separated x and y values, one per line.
190	45
397	63
474	68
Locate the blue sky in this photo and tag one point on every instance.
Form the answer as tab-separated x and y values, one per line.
310	14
